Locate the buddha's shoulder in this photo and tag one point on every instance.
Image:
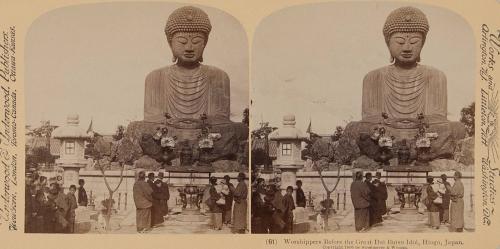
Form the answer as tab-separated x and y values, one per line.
215	71
373	75
157	71
432	71
382	71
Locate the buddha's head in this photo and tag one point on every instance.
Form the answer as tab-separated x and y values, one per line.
187	31
405	31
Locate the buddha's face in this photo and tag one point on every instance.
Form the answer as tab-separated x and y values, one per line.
405	47
188	47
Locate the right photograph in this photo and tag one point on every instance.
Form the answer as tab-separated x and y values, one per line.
362	120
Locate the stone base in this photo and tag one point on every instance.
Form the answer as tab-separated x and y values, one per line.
444	146
83	226
189	169
408	215
302	227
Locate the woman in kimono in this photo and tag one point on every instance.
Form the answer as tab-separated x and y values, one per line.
240	205
433	203
457	204
215	208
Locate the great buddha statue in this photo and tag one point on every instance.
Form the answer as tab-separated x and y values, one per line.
406	96
179	95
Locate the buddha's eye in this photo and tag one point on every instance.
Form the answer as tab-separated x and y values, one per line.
197	40
414	40
399	40
181	40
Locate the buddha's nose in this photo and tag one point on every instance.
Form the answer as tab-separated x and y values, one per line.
407	47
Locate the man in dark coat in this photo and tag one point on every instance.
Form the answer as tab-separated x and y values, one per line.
360	197
300	197
378	200
82	194
380	196
165	193
373	201
142	192
158	205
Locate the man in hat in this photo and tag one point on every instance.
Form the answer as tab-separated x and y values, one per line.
373	201
380	198
240	205
143	200
165	193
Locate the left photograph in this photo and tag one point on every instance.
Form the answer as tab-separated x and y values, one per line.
137	120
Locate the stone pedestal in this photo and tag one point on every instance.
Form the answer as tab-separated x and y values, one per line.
288	175
71	175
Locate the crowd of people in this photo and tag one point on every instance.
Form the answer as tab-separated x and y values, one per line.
445	202
50	210
272	212
369	200
151	201
227	204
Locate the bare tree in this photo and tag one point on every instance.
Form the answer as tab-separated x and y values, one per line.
122	152
322	153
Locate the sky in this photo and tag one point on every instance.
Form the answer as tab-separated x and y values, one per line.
92	60
310	61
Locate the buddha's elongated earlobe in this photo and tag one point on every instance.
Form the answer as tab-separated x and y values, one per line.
174	59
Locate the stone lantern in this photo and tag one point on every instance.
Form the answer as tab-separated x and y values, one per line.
289	144
72	139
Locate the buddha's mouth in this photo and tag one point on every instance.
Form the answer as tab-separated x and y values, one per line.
406	56
189	55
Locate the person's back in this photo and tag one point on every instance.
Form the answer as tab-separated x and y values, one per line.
360	194
142	195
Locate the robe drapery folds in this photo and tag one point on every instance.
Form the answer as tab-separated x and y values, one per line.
204	90
405	95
